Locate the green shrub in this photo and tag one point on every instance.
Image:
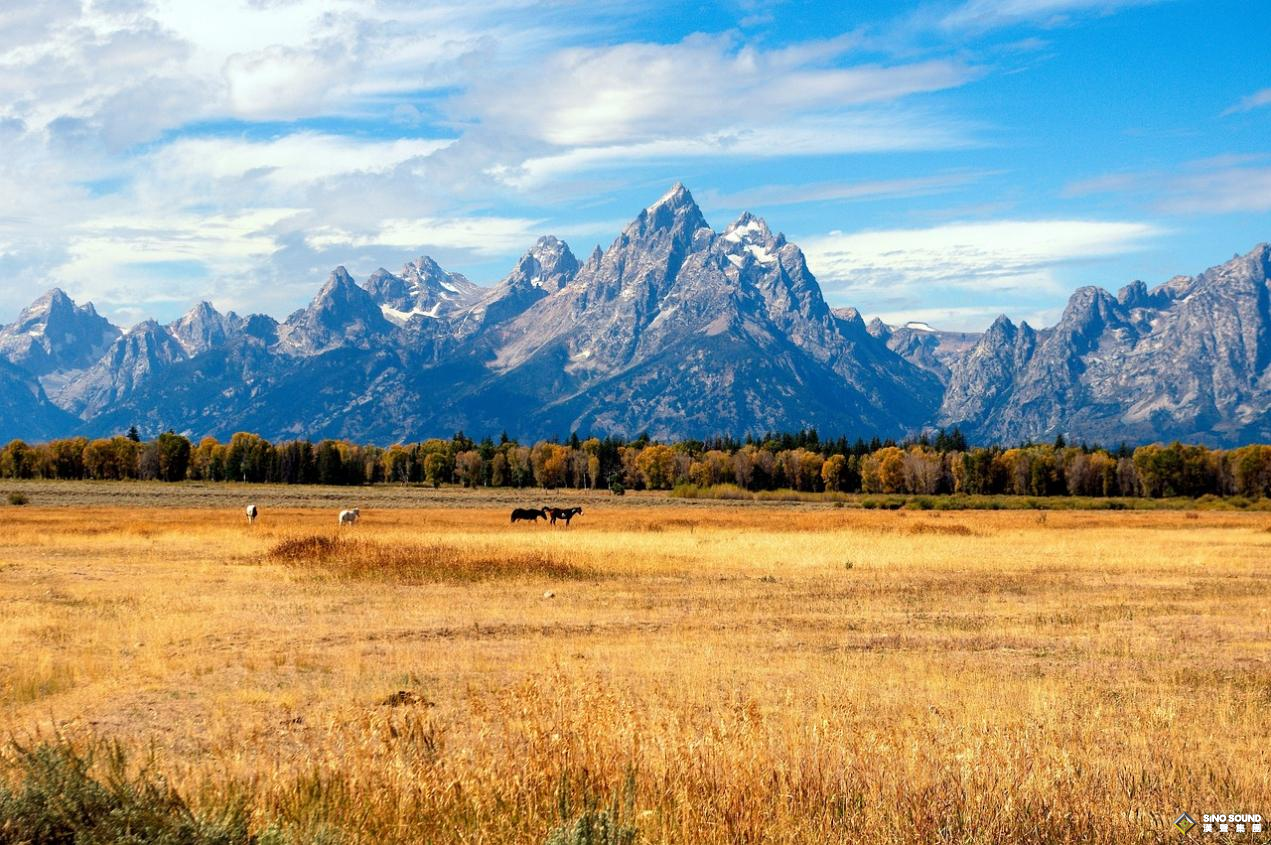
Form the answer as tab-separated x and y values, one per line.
595	826
55	795
617	488
18	499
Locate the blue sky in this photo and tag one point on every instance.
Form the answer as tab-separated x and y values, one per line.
946	160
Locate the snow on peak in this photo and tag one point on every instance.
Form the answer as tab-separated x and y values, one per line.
919	326
747	228
678	195
424	274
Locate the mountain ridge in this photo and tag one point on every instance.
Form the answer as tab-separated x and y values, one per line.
676	329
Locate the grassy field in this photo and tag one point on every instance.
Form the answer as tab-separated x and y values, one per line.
715	672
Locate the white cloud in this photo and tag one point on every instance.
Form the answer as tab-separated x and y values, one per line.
840	134
981	15
1018	256
287	162
1256	100
1223	190
126	73
480	235
114	260
282	82
1218	185
634	94
112	104
916	186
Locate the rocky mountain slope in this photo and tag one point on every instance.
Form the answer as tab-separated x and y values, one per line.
931	349
1190	359
675	329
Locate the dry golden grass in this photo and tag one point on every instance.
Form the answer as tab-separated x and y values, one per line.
766	674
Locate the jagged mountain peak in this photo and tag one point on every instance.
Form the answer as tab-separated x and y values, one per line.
549	265
852	317
1002	326
422	289
52	298
339	279
1135	295
55	335
338	291
747	227
425	270
550	248
203	328
342	313
428	275
676	212
674	319
53	303
678	196
1089	309
146	326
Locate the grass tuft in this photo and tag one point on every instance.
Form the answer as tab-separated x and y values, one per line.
349	558
949	530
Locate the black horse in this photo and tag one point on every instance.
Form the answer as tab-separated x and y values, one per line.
564	513
529	514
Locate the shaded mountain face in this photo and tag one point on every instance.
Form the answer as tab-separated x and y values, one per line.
25	411
1190	359
675	329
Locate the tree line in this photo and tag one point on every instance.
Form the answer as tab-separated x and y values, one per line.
942	463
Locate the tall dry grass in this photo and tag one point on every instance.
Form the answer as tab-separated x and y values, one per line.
344	557
739	674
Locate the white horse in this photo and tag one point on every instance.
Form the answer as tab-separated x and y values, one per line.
348	517
252	512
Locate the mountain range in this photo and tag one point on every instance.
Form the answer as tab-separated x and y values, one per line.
675	329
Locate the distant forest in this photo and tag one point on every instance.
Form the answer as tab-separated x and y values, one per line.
801	461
